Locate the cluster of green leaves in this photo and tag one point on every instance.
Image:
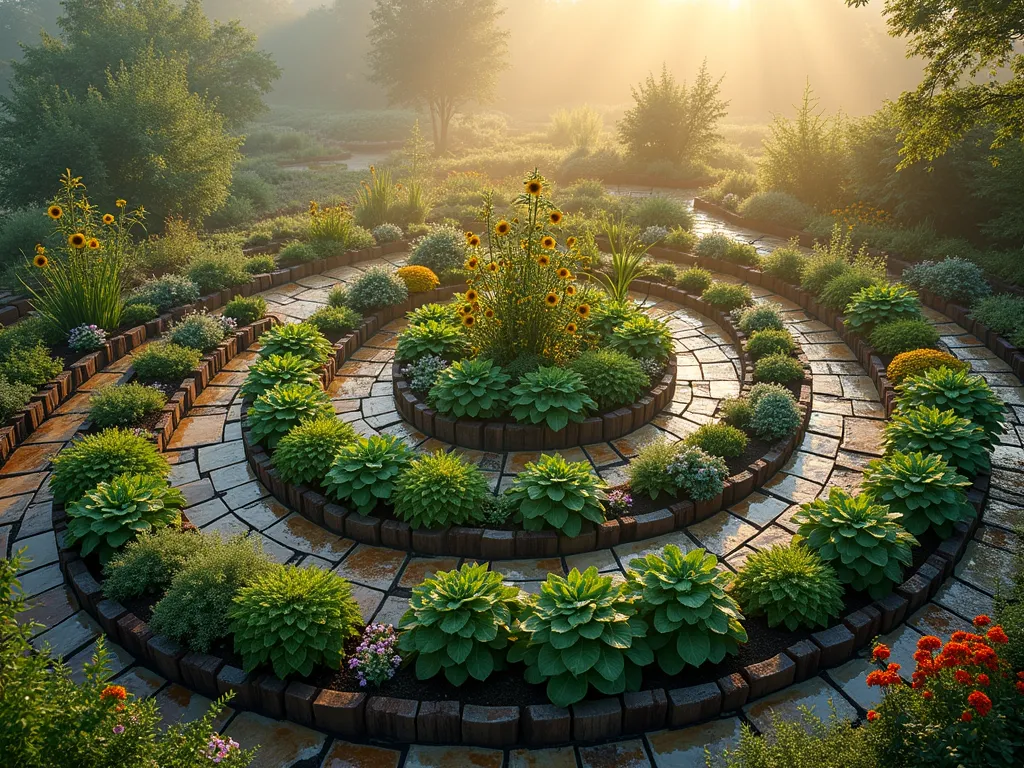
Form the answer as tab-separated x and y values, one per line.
770	342
147	564
611	378
727	296
694	280
270	370
33	365
306	453
335	322
582	631
736	411
135	315
475	388
553	493
697	473
124	405
553	396
365	472
165	362
642	336
778	368
968	396
648	471
439	489
959	442
775	411
99	458
903	336
165	292
683	599
245	310
609	315
952	279
460	621
284	406
295	619
300	339
760	317
842	288
881	303
198	331
440	313
784	263
376	288
719	440
432	337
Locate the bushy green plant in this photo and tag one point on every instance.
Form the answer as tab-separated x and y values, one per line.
138	314
786	264
335	321
553	493
99	458
1003	313
838	292
922	489
497	511
642	336
269	371
881	303
760	317
943	433
245	310
216	270
778	368
147	564
198	330
770	342
697	473
918	361
124	405
442	249
300	339
440	313
376	288
387	233
296	253
295	619
778	207
952	279
282	407
819	270
648	470
660	211
714	246
893	338
719	440
776	413
432	338
694	280
552	396
611	378
968	396
338	296
165	362
304	455
165	292
863	541
423	373
582	631
460	621
260	264
609	315
789	585
736	411
475	388
439	489
13	397
33	365
194	611
683	599
522	365
807	742
743	253
364	472
727	296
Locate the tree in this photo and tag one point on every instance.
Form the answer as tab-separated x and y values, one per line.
974	72
441	54
672	122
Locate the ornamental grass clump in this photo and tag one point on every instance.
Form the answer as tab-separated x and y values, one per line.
295	619
459	622
474	388
267	372
300	339
879	304
124	405
642	336
761	317
99	458
612	379
683	599
364	473
918	361
790	586
727	296
582	631
553	493
694	280
968	396
719	440
778	368
432	338
279	409
439	489
960	443
697	473
770	342
304	455
922	489
551	396
114	512
863	541
648	471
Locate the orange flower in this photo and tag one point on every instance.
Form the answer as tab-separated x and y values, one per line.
963	677
983	679
54	212
114	692
982	704
872	715
927	695
982	620
929	643
966	716
881	652
997	635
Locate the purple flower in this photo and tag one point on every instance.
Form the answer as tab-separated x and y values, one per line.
118	729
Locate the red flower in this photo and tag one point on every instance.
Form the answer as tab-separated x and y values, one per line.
929	643
966	716
927	695
981	703
982	679
872	715
996	635
1020	675
982	621
880	653
114	692
963	677
922	657
1020	686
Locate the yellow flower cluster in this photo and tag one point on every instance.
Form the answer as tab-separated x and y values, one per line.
861	213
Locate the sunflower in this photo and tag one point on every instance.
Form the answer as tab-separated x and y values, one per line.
547	242
93	244
472	263
474	241
564	273
467	234
77	240
543	260
570	242
40	248
468	320
54	212
471	295
551	299
534	187
492	267
488	313
583	310
503	227
570	290
108	218
555	217
120	202
466	309
571	327
40	260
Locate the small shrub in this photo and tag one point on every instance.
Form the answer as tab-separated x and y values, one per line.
245	310
903	336
968	396
694	280
296	619
297	253
147	564
642	336
375	660
761	317
918	361
819	270
418	279
648	470
1003	313
474	388
440	313
267	372
460	621
13	397
198	331
786	264
365	472
423	373
260	264
87	338
552	396
387	233
554	494
776	413
727	296
770	342
282	407
306	453
839	291
659	211
714	246
335	321
611	378
777	207
610	315
99	458
666	274
432	338
124	405
582	631
439	489
217	270
376	288
683	598
790	586
301	339
804	742
697	473
653	235
114	512
165	362
165	293
134	315
497	511
33	365
338	296
442	249
681	240
953	279
962	444
736	411
719	440
879	304
743	253
778	369
524	364
922	489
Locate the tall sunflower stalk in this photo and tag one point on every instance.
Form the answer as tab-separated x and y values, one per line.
523	297
81	283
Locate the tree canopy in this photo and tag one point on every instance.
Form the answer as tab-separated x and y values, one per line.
439	53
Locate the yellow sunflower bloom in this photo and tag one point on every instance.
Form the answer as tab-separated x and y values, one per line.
543	260
571	290
564	273
77	240
120	203
571	327
40	260
474	241
468	320
503	228
471	295
93	244
472	263
108	218
492	267
488	313
466	309
54	212
571	242
583	310
534	187
547	242
555	217
551	299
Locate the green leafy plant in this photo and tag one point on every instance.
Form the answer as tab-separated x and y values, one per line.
147	564
683	599
922	489
881	303
165	292
439	489
432	338
736	411
943	433
138	314
460	621
124	405
279	409
582	631
715	245
338	297
365	472
198	331
13	397
296	619
727	296
269	371
609	315
968	396
784	263
952	279
300	339
33	365
778	207
216	270
442	249
1002	313
776	413
838	292
863	541
789	585
611	378
99	458
648	471
628	262
778	368
819	270
304	455
642	336
474	388
165	362
245	310
719	440
760	317
770	342
903	336
376	288
441	313
114	512
296	253
553	493
697	473
804	742
423	373
260	264
694	280
552	396
335	322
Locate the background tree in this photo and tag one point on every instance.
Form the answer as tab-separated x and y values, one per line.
440	54
21	21
673	122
